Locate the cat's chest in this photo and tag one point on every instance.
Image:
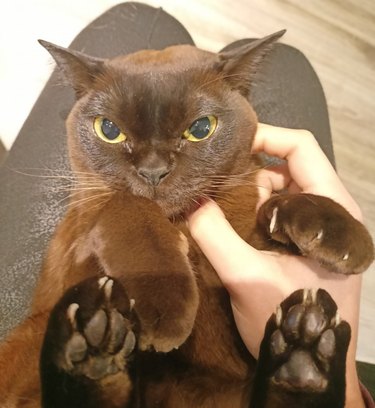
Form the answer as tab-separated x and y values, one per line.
240	210
215	343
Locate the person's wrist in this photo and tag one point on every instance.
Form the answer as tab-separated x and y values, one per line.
354	398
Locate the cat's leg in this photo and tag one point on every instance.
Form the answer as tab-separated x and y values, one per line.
19	364
135	243
302	356
88	348
319	228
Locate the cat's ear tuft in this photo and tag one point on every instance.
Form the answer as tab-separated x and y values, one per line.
240	64
80	70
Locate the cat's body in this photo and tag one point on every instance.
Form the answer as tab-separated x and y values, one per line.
183	130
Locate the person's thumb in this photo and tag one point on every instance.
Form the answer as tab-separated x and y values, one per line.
230	256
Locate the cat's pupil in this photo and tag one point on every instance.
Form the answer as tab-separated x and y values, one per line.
200	128
109	129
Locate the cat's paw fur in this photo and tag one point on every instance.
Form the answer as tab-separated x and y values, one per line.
91	329
320	229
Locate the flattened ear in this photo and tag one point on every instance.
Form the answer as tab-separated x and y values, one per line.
80	70
239	65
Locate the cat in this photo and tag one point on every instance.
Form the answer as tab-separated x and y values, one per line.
128	312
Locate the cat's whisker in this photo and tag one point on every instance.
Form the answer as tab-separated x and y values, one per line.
79	191
39	175
94	206
71	189
76	181
196	201
79	186
69	180
74	177
89	197
77	203
70	177
235	182
220	187
244	174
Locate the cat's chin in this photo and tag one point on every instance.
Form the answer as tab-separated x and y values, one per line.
174	206
172	212
179	213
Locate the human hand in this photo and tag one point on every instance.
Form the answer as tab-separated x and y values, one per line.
258	281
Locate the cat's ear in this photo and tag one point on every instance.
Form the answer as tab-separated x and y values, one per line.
79	70
239	65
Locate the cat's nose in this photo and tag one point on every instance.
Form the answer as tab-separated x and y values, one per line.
154	175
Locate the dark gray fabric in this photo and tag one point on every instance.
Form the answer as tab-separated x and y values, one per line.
3	153
294	98
288	93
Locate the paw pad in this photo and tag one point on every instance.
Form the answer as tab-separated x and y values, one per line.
304	341
101	336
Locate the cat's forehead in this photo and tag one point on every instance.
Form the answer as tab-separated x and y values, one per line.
176	58
160	77
151	89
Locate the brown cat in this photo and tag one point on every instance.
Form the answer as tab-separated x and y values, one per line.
128	312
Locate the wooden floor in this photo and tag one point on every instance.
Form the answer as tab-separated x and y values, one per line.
339	39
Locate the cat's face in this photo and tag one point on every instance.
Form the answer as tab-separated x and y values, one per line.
166	125
151	105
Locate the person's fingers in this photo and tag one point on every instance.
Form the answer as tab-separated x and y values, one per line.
232	258
308	166
301	151
274	179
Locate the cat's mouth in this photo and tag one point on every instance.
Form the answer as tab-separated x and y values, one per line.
175	203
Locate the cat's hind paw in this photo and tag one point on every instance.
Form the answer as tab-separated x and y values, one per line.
303	343
90	331
303	353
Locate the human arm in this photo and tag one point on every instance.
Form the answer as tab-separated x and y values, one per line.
245	272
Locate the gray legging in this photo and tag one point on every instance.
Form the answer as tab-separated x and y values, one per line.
287	93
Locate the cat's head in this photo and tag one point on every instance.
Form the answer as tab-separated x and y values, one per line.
165	125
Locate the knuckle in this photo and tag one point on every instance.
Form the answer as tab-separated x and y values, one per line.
357	212
306	135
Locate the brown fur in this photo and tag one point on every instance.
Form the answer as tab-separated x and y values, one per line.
126	229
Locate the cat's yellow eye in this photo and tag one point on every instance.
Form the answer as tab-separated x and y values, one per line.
108	131
201	129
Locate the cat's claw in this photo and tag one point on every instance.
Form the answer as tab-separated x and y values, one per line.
273	220
279	316
309	296
319	236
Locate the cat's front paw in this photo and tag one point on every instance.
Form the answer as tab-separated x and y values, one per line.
318	228
90	333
